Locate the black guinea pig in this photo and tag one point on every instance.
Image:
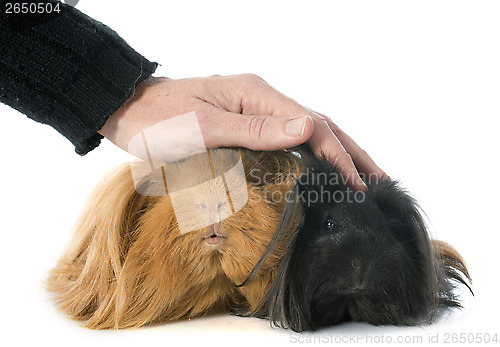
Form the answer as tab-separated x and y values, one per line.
360	256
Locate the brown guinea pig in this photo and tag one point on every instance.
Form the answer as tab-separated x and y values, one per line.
174	242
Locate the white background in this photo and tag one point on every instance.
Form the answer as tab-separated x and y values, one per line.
415	83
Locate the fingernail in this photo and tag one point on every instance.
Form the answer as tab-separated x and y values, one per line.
297	126
363	185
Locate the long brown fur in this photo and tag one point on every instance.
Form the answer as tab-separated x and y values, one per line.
129	265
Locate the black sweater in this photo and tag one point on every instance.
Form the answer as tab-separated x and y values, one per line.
66	70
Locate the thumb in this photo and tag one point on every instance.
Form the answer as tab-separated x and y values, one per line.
264	133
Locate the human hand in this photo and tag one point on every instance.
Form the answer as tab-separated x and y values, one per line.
238	111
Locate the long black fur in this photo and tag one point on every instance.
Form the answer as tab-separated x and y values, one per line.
369	260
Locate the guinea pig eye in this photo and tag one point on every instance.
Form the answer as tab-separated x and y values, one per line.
328	225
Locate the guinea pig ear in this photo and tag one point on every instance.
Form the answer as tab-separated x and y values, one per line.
83	279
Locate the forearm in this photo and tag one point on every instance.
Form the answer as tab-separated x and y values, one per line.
68	71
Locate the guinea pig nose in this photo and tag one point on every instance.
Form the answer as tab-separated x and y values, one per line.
216	227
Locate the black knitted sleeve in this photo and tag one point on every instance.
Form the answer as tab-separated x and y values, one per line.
67	70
